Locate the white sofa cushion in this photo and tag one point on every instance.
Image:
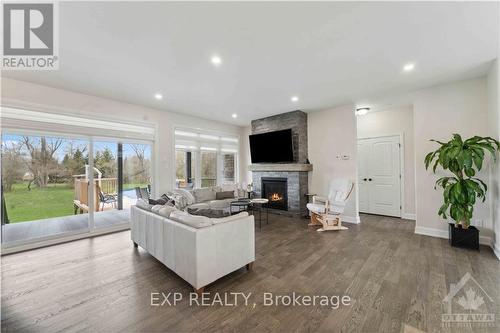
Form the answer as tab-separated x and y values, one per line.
220	204
204	194
194	221
229	218
201	205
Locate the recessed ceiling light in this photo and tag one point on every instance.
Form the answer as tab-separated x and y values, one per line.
216	60
409	67
234	115
361	111
295	99
158	96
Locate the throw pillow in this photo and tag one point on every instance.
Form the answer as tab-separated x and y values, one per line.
212	213
156	208
204	194
224	195
169	200
160	201
230	187
166	211
186	194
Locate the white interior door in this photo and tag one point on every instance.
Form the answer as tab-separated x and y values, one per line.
379	176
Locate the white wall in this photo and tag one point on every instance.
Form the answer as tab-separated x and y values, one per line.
34	96
245	175
395	121
332	132
440	111
493	86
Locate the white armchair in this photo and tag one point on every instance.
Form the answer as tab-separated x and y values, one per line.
334	204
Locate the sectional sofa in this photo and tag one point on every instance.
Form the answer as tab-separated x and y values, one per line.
197	248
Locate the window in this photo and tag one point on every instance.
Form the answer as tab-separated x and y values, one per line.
228	167
184	169
208	168
204	159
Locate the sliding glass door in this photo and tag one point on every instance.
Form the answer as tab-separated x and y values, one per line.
42	189
122	174
137	172
56	185
106	181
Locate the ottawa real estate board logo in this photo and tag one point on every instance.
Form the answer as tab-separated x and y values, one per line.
30	36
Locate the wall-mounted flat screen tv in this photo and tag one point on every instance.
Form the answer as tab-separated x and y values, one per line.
272	147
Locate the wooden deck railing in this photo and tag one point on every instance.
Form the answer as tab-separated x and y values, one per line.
107	186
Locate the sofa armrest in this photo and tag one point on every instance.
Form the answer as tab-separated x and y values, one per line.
224	248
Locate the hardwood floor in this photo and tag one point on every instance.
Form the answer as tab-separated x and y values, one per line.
395	278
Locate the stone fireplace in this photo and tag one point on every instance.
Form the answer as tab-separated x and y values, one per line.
284	184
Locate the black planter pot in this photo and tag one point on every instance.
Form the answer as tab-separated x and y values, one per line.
466	238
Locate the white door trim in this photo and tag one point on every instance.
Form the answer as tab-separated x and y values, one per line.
400	137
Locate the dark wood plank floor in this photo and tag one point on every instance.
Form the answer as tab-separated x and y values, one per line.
103	284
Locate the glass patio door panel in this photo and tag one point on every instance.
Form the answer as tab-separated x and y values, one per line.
106	182
43	186
137	175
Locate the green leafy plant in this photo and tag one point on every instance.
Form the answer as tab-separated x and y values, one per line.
464	159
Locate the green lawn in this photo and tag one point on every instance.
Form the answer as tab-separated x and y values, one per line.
53	201
23	205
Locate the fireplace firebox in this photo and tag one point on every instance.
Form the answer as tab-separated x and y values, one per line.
276	190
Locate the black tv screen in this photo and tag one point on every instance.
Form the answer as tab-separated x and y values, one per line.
272	147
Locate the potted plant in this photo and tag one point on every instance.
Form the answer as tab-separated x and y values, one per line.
464	159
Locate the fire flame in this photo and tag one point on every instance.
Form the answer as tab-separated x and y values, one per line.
275	197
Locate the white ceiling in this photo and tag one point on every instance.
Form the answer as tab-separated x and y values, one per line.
325	53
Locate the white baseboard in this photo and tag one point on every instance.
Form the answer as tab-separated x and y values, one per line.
433	232
409	216
439	233
351	219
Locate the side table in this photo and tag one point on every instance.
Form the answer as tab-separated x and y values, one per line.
261	203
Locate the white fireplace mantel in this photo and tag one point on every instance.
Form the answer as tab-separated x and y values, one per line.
288	167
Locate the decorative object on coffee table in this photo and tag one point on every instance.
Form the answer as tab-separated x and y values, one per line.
261	203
